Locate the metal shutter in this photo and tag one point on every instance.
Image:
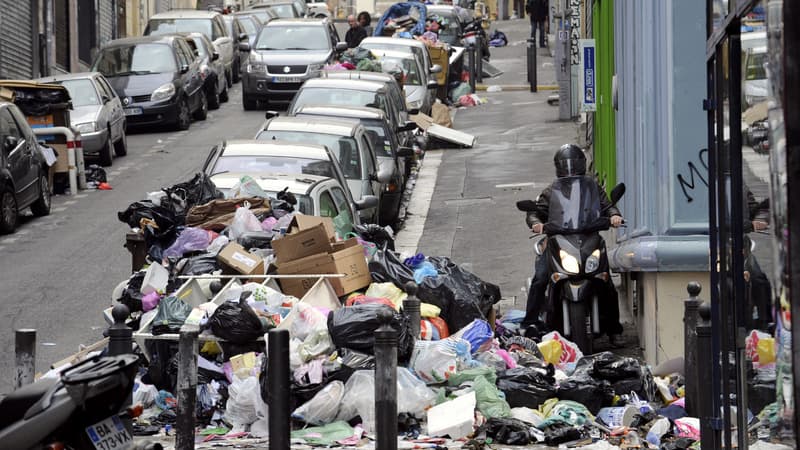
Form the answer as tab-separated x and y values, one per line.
16	39
106	21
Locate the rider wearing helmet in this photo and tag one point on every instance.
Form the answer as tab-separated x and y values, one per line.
569	161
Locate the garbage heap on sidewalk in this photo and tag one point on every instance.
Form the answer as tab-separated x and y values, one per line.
468	377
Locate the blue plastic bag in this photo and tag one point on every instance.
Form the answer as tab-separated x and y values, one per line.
423	271
477	333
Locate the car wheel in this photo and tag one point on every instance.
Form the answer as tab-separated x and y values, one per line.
8	210
184	115
106	153
223	96
41	207
121	146
236	75
202	111
229	77
213	97
249	103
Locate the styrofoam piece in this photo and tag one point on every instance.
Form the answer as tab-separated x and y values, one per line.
455	418
144	327
155	279
320	295
451	135
191	293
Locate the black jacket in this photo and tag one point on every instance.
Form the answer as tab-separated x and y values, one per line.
354	36
753	210
539	10
543	202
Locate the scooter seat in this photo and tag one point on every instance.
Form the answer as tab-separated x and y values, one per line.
14	405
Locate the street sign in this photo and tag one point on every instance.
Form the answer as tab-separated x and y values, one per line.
588	85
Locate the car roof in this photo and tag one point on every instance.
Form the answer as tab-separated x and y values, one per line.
157	39
341	83
186	14
340	127
252	147
394	41
357	75
355	112
68	76
297	21
394	54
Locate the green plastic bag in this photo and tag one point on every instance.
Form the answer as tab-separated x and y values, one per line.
325	435
170	315
490	400
471	374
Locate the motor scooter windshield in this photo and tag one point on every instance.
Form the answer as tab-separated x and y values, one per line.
574	204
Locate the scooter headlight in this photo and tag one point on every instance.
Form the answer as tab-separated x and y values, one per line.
593	261
569	262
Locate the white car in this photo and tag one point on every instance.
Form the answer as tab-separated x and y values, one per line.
418	84
414	46
755	76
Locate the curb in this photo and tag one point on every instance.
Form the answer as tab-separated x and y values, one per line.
516	87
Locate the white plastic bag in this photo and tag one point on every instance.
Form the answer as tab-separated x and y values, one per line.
243	221
247	187
243	397
268	295
323	407
413	395
435	361
145	394
307	320
318	342
359	399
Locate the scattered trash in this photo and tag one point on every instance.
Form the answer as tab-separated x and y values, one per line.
494	88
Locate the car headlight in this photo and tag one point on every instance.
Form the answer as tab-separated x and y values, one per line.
414	104
88	127
593	261
256	68
569	262
314	69
164	92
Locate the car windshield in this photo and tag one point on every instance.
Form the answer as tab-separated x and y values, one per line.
381	142
290	37
141	59
82	92
408	65
343	147
345	97
394	47
249	25
285	11
263	15
273	165
574	204
755	66
170	26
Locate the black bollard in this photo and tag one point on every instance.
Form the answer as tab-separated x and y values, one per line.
411	307
690	321
532	78
479	59
385	383
187	387
24	357
120	335
709	420
278	389
471	67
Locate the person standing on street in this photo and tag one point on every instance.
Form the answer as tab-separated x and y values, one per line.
364	19
538	13
355	34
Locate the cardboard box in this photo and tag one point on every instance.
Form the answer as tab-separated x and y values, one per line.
62	162
346	258
299	244
302	222
236	258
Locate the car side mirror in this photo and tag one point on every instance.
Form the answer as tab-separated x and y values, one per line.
214	56
106	99
10	143
271	114
243	37
436	68
367	202
405	152
244	46
341	46
384	174
617	193
408	126
433	84
184	68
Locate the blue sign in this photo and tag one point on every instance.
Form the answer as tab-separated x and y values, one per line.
588	85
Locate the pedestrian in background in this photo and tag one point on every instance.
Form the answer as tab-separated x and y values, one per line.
364	19
538	11
355	34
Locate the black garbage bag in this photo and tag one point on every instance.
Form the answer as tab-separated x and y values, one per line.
158	374
160	230
132	295
96	174
183	196
461	295
203	263
625	374
560	432
526	387
256	239
170	315
376	234
508	431
356	360
611	367
354	327
582	388
236	322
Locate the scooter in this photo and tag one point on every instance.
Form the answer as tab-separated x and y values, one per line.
474	30
83	409
577	260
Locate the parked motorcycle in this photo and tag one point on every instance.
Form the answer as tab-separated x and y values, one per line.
83	409
576	257
474	31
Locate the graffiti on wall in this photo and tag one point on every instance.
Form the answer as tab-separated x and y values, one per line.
688	186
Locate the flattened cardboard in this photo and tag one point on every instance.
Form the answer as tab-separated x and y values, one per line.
346	258
235	257
300	244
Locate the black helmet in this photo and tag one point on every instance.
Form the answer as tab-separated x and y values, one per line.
570	161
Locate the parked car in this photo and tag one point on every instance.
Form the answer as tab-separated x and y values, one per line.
282	9
209	23
391	156
235	24
287	53
157	78
349	142
265	15
24	178
211	69
96	113
452	28
339	89
755	76
417	82
414	46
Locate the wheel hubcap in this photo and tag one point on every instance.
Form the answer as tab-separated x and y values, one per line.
8	208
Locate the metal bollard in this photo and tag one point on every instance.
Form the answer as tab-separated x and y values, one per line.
386	388
471	66
411	307
532	77
24	356
278	389
690	322
479	59
120	335
187	387
709	422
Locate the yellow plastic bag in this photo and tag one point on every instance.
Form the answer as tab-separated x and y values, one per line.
428	310
388	291
551	350
766	350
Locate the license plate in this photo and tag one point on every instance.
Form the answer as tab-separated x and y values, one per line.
287	79
110	434
133	111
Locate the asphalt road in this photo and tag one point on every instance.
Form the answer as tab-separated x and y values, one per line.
57	272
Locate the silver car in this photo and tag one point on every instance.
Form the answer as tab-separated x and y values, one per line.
96	113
